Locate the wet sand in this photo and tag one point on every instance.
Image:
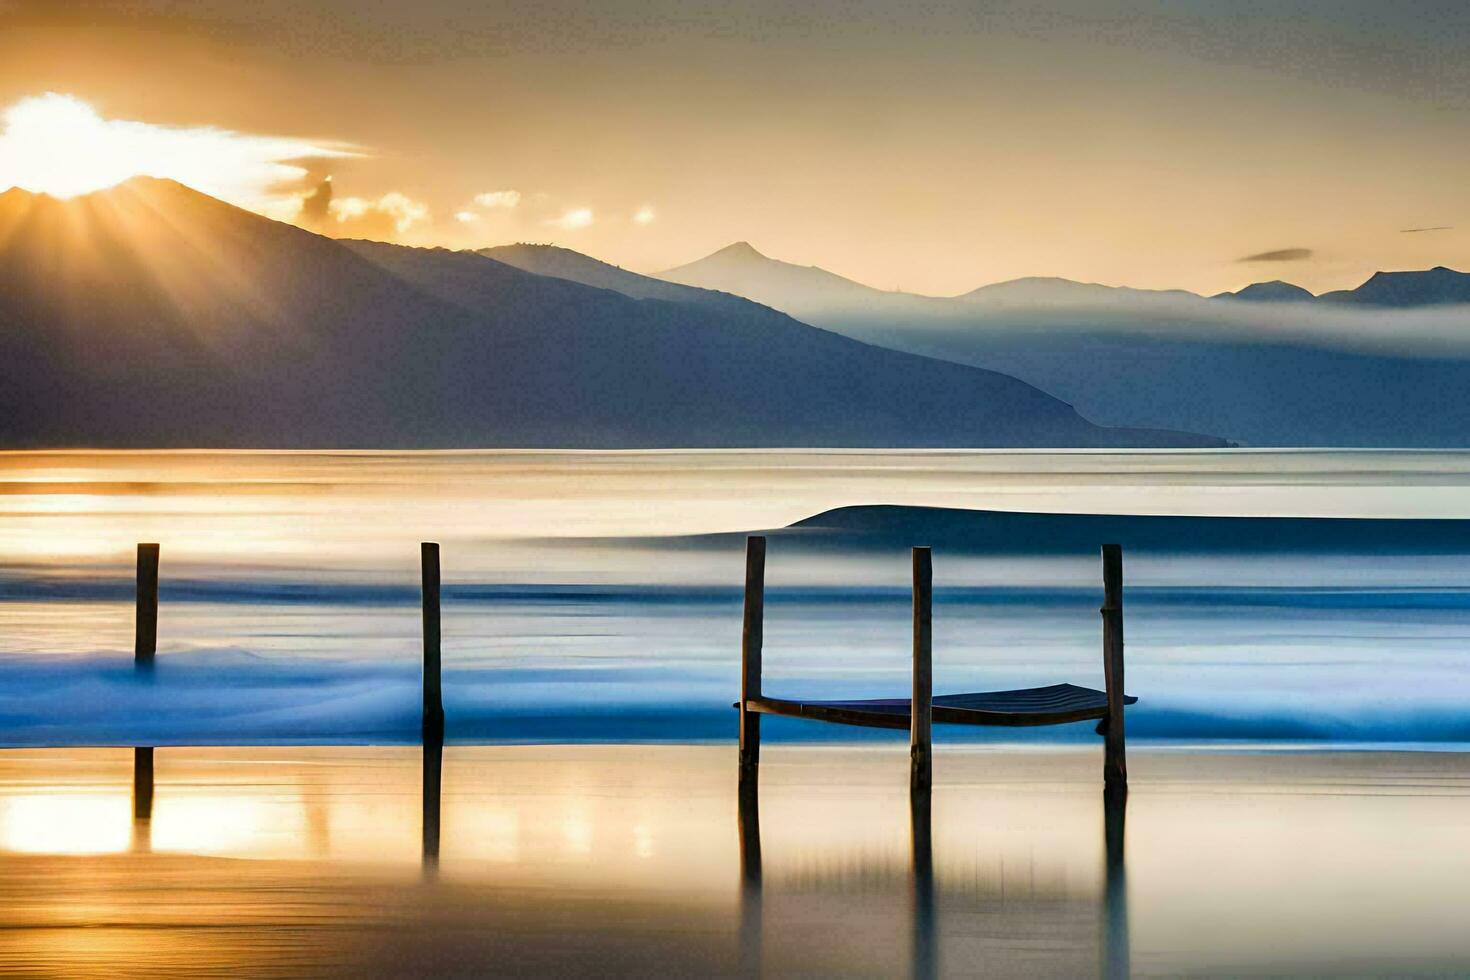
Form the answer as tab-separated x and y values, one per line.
607	860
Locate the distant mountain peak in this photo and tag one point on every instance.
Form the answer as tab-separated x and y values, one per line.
796	289
740	250
1439	286
1272	291
565	263
264	334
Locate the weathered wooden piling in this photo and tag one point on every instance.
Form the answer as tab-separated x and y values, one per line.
145	620
920	737
145	647
751	637
1115	764
433	717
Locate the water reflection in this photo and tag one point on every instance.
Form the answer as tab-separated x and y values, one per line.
1116	955
751	911
142	800
364	508
925	939
925	947
568	859
432	791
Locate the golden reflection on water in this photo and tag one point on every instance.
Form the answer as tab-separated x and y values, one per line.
1285	862
66	823
369	509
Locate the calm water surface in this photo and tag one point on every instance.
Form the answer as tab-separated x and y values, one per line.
573	612
577	616
611	860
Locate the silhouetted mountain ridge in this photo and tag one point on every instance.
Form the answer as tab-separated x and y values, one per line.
1382	365
152	315
1274	291
1431	287
741	269
563	263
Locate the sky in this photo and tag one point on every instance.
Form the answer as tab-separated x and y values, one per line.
928	147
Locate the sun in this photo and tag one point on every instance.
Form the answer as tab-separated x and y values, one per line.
60	145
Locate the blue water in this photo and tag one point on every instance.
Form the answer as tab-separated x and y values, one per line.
315	661
586	600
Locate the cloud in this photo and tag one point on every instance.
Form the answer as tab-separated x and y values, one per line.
389	216
1279	255
316	206
644	215
498	199
573	219
474	212
1411	231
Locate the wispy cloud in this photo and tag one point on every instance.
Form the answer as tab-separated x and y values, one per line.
498	199
1279	255
573	219
1414	231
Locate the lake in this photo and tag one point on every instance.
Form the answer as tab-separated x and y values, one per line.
592	605
575	609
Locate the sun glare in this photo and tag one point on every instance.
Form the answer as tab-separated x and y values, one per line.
59	145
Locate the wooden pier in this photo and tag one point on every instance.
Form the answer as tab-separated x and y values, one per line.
1056	704
1051	705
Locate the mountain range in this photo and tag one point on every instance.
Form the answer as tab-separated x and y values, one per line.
802	289
1385	364
152	315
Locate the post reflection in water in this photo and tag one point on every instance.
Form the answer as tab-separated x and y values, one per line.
1114	947
749	821
142	839
1116	957
925	950
432	785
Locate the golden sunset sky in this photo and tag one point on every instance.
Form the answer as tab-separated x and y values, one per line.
929	147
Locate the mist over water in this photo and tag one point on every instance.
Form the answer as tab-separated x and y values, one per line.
575	612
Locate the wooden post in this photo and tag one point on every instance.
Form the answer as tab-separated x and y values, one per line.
1115	765
920	742
751	637
145	647
433	718
145	621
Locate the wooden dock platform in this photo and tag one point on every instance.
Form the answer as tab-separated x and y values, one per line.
1053	704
